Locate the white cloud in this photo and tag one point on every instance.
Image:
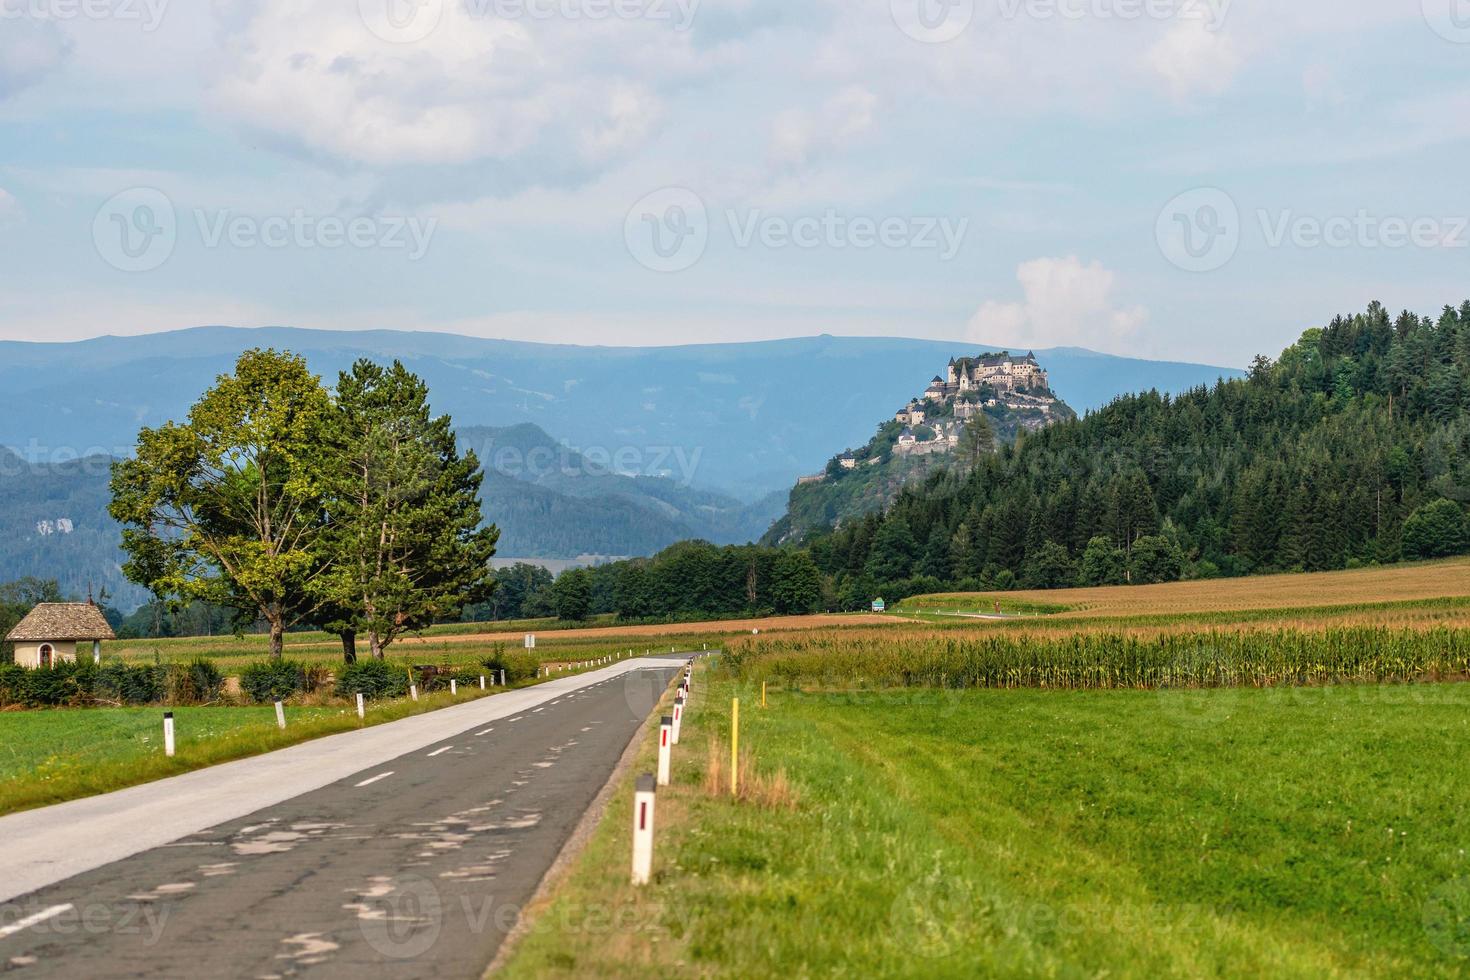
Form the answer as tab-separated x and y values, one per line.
556	92
29	50
1194	61
1067	304
799	136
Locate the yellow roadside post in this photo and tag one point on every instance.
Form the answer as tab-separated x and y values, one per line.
763	694
735	747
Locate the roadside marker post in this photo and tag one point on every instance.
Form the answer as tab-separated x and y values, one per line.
665	734
763	694
502	677
280	716
678	716
361	708
168	733
453	687
643	800
482	682
735	747
413	691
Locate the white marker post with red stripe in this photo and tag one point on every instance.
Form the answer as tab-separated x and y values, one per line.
643	798
665	746
678	716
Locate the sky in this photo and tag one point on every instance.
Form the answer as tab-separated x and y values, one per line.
1177	179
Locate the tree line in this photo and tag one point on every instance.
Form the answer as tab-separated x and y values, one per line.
1352	448
289	504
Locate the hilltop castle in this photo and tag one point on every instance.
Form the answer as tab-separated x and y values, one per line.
977	383
1013	391
1002	372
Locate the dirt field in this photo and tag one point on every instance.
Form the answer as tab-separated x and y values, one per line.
775	624
1398	583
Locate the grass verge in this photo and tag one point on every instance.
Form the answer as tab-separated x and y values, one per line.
1281	832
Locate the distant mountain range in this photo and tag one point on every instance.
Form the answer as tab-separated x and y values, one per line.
551	501
740	419
671	443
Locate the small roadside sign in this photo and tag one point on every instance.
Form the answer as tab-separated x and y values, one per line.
530	641
879	605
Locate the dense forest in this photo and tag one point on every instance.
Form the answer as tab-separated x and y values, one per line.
1353	448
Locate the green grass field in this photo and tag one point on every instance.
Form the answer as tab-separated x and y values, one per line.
62	754
1235	832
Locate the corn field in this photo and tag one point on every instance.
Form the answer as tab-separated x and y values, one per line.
1083	661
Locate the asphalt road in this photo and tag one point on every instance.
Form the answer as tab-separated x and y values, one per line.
414	867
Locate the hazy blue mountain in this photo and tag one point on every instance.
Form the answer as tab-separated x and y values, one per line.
741	419
551	501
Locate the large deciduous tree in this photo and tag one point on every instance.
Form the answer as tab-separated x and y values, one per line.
406	530
228	507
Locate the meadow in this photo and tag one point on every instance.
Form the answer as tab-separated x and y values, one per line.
1261	777
1231	832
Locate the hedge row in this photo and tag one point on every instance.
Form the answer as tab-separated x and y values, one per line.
85	684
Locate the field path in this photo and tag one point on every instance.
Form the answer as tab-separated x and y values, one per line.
408	847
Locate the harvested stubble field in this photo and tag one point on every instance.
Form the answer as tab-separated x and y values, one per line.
469	643
1364	588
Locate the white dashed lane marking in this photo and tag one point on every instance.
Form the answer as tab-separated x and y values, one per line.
373	779
440	751
36	919
485	732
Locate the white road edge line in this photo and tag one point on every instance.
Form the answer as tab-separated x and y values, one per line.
440	751
373	779
36	919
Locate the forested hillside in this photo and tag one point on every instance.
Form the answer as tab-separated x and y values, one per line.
54	526
1352	448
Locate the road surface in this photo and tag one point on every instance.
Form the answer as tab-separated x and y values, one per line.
414	866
